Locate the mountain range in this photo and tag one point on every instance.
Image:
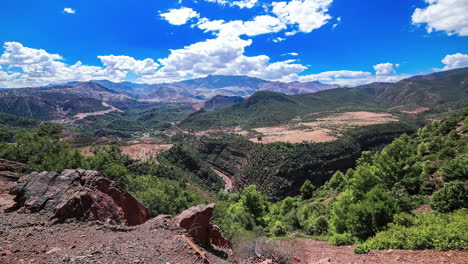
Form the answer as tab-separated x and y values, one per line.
201	89
62	101
437	92
238	100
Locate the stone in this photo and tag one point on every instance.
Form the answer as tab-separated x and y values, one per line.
78	194
9	168
197	223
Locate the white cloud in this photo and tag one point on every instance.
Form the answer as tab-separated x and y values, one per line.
259	25
369	79
117	67
179	16
222	55
308	15
385	68
278	39
454	61
69	10
450	16
291	54
338	22
37	67
240	3
331	76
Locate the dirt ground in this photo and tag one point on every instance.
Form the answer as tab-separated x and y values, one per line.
310	251
30	238
285	134
84	115
323	129
145	151
27	238
6	200
141	152
228	183
417	110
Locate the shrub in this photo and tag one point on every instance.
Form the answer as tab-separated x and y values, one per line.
320	225
456	169
278	229
422	231
451	197
341	239
361	249
307	190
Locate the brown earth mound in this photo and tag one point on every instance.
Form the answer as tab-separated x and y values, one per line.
79	194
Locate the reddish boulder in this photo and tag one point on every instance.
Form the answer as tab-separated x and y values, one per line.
80	194
196	221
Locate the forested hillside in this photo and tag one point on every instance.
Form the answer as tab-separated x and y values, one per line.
279	169
410	195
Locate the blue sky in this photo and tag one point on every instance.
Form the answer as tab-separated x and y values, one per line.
334	41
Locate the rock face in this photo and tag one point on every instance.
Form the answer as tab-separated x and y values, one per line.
8	168
80	194
196	221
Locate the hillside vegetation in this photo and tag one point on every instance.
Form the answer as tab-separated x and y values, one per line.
178	180
279	169
374	203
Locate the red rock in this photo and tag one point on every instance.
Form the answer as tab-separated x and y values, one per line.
196	222
9	168
79	194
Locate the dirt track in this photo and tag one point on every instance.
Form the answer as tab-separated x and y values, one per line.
228	183
84	115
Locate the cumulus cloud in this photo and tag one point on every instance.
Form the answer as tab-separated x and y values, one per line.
117	67
38	67
179	16
450	16
69	10
259	25
385	68
222	55
308	15
240	3
454	61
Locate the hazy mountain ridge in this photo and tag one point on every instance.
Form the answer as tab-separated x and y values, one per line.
268	102
201	89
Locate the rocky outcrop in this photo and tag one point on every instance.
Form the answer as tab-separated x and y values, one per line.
196	222
80	194
9	168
